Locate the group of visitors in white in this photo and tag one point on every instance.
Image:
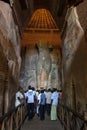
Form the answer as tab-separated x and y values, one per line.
39	102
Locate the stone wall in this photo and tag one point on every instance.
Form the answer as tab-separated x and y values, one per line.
41	67
74	63
3	75
30	67
10	60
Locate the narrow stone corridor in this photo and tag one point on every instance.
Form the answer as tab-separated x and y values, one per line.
43	44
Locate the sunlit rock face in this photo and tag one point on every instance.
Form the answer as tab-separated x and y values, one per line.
30	67
10	60
54	76
10	37
74	63
42	66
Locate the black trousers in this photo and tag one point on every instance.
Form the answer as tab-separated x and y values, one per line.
30	108
48	109
42	112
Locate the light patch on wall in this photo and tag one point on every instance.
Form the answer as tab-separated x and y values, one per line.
11	2
73	37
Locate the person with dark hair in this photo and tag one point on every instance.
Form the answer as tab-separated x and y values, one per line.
48	101
42	102
30	102
19	97
54	103
29	87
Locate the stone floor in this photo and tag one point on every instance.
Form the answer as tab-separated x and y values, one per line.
37	124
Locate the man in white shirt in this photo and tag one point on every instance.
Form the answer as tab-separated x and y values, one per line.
42	102
54	100
48	101
30	102
19	97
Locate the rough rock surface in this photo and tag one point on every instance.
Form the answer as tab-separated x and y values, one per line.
41	67
74	63
10	59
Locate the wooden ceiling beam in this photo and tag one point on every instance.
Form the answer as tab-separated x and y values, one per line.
33	38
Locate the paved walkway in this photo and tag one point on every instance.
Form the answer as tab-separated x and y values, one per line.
37	124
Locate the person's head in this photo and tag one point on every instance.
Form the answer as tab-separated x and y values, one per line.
29	87
49	90
42	91
60	91
20	89
33	88
54	89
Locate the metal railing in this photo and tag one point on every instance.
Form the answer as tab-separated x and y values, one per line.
70	119
14	119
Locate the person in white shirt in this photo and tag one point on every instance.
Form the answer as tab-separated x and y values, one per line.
42	102
30	102
54	102
48	101
19	97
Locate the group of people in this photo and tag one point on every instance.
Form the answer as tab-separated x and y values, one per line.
39	102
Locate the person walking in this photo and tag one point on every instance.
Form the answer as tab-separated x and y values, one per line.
48	101
54	103
30	102
42	102
19	97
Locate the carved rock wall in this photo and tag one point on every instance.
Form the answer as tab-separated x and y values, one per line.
10	34
41	67
30	67
74	63
3	73
10	59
